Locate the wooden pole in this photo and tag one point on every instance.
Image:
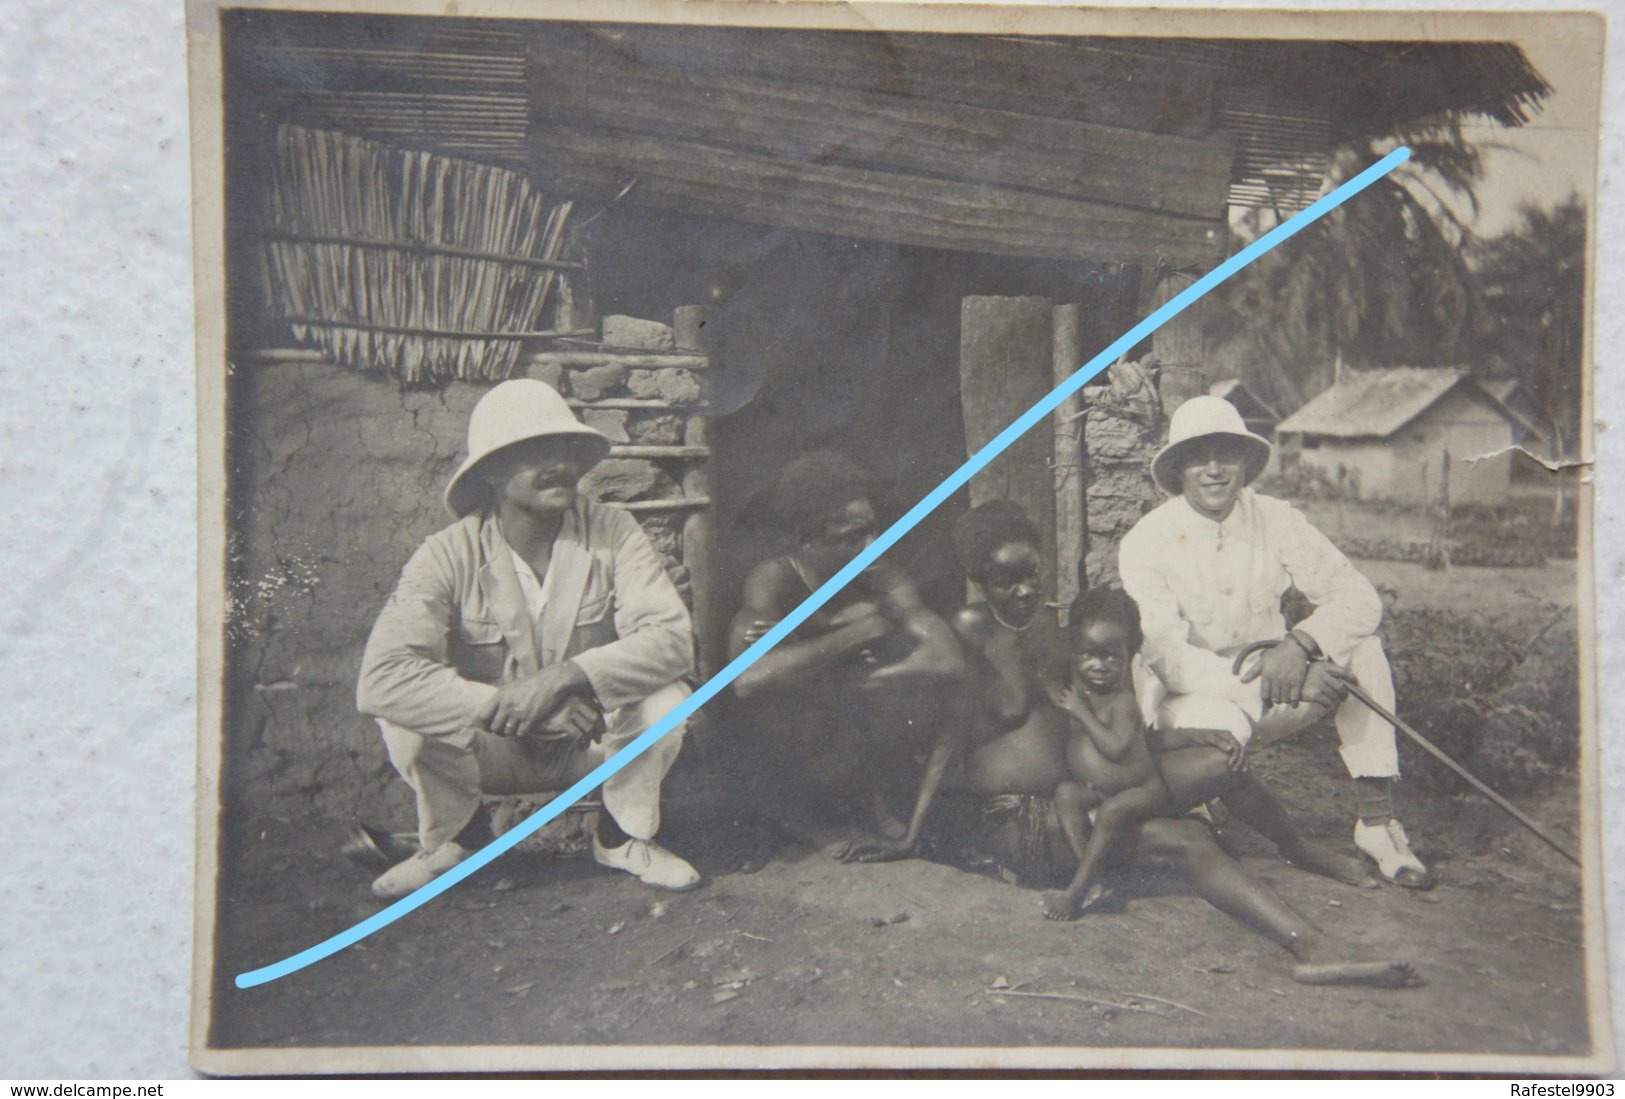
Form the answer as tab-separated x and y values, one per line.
699	552
437	333
691	328
416	248
633	450
647	360
1006	365
693	332
1178	346
1438	554
1070	533
576	308
665	503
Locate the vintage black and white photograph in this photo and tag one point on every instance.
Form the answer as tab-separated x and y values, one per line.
1239	714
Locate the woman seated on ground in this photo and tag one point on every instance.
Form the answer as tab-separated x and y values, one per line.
1018	740
832	718
1015	738
1008	744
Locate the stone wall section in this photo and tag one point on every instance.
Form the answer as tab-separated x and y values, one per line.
1123	428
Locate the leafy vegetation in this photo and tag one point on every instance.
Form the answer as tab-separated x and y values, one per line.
1398	278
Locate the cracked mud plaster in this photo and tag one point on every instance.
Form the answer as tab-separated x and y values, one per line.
339	480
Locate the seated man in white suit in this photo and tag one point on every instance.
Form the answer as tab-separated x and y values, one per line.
1208	569
526	643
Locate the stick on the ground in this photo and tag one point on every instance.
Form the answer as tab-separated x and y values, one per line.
1072	999
1472	780
1358	694
1551	939
1160	1000
673	950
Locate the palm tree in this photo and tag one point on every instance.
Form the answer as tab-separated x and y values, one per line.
1533	280
1383	279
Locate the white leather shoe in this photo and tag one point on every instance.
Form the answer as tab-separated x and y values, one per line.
419	870
1388	846
648	862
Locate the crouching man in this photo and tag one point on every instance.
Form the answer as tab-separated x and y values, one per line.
526	643
1208	569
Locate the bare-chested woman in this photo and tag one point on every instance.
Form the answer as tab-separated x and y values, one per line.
1021	741
833	717
1011	739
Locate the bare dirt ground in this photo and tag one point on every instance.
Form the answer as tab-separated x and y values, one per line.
538	951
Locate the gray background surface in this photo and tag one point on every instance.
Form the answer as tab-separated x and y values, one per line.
98	478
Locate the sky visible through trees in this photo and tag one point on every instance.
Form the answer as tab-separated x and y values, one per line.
1400	278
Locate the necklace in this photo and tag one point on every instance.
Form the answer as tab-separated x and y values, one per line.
1009	626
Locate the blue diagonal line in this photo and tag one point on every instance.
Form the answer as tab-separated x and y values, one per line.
955	481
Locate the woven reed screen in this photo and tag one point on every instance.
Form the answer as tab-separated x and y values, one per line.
421	265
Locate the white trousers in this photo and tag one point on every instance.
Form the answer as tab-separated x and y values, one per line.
1368	747
449	774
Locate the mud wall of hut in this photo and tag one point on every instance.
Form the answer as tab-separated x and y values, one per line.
337	478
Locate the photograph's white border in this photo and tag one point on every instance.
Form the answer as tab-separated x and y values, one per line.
207	129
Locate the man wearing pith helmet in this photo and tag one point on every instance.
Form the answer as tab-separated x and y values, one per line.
1208	569
526	643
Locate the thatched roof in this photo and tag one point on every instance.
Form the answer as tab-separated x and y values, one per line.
1375	404
1076	148
1372	89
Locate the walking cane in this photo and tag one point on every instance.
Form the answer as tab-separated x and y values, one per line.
1428	746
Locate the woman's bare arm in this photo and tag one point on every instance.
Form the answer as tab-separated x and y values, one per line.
937	655
792	663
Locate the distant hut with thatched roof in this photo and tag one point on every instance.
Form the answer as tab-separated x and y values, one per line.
1394	434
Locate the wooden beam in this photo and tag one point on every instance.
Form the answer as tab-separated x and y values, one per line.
635	404
1090	80
625	451
1070	531
700	553
670	503
861	128
1179	346
419	249
421	330
1005	367
651	360
854	202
